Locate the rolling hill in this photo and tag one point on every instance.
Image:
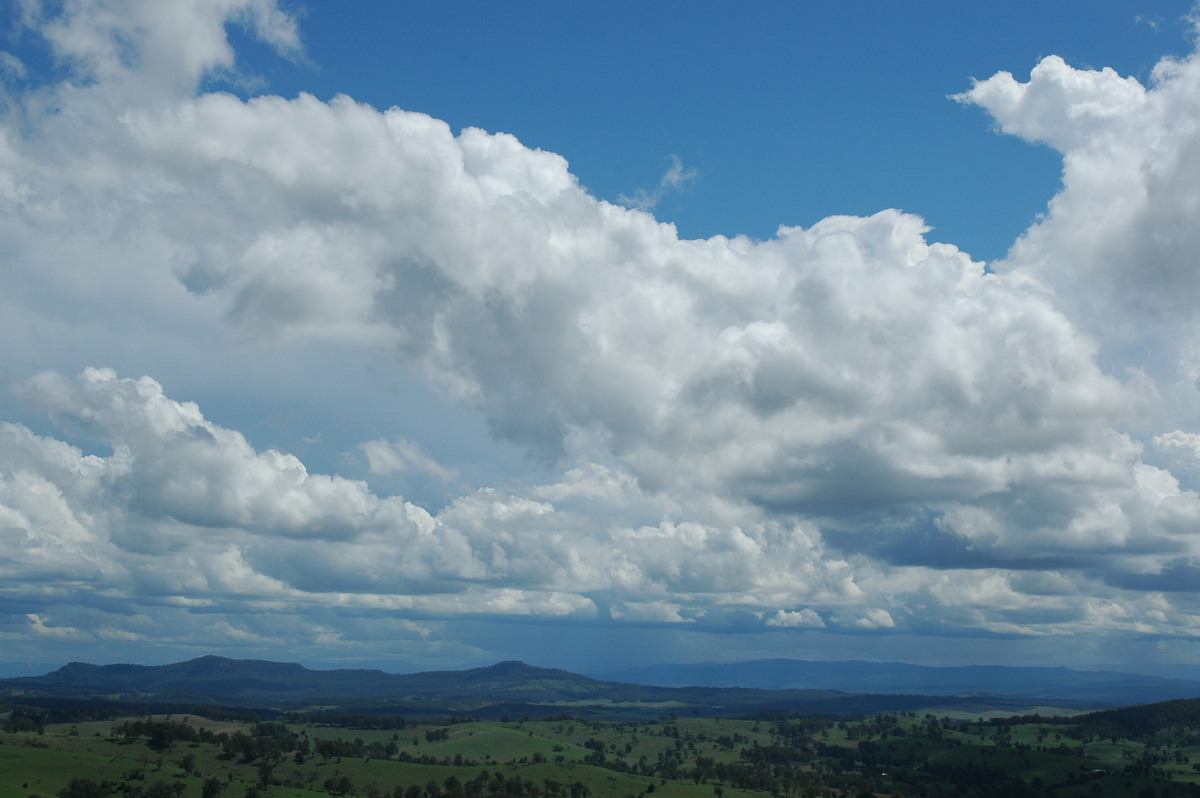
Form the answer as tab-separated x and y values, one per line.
517	689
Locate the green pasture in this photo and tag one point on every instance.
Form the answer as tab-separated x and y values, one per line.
26	770
553	752
41	765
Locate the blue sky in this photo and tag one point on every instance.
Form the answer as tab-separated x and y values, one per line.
428	335
788	112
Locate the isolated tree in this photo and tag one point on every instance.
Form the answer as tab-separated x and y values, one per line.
212	787
265	771
339	786
82	788
161	789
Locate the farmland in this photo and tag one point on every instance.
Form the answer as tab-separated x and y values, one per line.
346	756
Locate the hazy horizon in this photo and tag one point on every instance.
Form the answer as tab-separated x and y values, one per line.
1181	672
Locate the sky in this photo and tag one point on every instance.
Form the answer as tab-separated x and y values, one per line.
421	336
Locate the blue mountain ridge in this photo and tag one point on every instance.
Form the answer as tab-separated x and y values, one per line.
513	687
906	679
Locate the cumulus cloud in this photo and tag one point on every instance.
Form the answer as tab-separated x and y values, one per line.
832	355
792	433
1118	242
185	511
119	525
174	465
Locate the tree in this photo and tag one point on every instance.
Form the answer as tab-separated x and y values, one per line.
161	789
82	788
212	787
22	721
339	786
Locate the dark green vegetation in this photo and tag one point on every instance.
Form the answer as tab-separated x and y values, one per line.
219	728
65	752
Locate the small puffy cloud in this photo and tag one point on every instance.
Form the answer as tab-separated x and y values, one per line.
876	619
1182	447
155	45
676	178
1060	105
12	65
41	629
649	612
237	634
1187	442
400	454
805	618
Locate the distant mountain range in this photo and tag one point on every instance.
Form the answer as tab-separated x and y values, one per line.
507	688
1109	687
516	689
218	677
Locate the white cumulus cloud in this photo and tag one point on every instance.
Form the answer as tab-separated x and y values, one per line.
728	433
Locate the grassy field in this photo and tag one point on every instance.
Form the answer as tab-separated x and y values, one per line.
673	758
